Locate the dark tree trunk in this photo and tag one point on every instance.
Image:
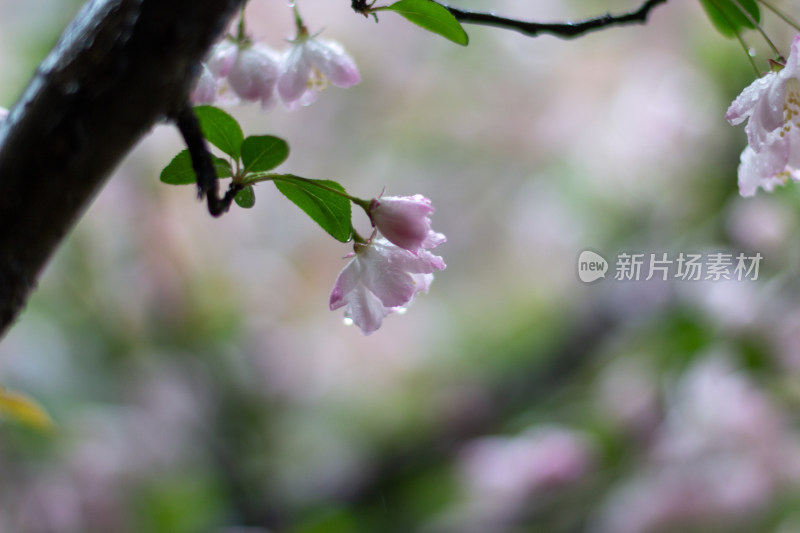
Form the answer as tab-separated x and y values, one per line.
120	67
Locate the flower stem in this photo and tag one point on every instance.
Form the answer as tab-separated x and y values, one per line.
298	20
257	177
357	238
241	33
783	16
758	27
747	53
738	36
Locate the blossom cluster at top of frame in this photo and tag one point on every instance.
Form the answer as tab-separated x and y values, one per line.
242	71
771	106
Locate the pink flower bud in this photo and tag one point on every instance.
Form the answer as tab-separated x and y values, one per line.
405	221
205	89
221	59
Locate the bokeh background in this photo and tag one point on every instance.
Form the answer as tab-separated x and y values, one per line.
200	384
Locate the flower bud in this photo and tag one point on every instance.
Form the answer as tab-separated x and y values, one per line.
205	89
254	74
221	59
405	221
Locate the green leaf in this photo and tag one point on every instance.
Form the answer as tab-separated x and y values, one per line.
222	166
328	209
220	129
433	17
180	171
728	18
245	198
263	153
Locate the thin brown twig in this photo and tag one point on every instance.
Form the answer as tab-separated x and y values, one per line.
566	30
207	184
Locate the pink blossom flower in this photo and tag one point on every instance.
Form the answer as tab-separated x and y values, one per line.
724	452
253	74
382	279
235	72
309	65
405	221
771	106
542	458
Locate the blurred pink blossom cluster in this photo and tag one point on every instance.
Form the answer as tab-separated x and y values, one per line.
253	72
388	271
502	474
542	458
771	106
721	456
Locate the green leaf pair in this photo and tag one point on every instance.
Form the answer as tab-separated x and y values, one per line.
431	16
253	154
326	202
730	17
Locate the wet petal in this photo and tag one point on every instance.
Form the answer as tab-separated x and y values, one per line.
295	71
333	62
365	310
742	107
346	282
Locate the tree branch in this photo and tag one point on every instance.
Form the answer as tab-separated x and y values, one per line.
566	30
119	68
507	399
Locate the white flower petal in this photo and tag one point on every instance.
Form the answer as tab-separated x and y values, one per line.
365	310
347	281
761	169
295	71
742	107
